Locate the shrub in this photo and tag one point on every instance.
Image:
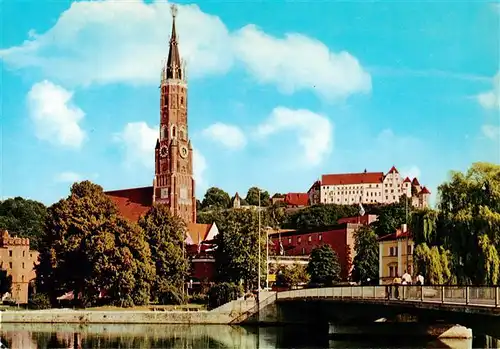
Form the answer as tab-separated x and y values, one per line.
223	293
170	294
39	301
198	298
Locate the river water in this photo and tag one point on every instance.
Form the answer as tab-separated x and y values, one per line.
42	336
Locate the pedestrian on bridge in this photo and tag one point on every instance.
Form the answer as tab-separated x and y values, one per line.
396	282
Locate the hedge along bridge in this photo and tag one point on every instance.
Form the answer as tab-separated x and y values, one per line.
349	305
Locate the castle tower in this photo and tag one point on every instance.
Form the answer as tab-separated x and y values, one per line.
174	182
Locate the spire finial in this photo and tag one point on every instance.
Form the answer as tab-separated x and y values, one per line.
173	10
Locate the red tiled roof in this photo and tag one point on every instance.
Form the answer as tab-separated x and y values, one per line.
198	232
352	178
395	236
415	181
297	199
407	179
425	191
393	169
132	203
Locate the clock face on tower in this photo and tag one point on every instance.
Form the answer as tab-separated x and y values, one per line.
184	151
163	151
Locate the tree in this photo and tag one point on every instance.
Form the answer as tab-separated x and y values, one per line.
366	261
165	235
236	255
89	248
320	215
292	275
391	217
215	198
252	197
25	218
434	264
324	266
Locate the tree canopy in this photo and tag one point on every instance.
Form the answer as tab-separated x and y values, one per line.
319	216
23	217
366	261
252	197
166	234
215	198
89	248
324	266
391	217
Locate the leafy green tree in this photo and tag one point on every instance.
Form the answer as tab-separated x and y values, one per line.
320	215
324	266
434	264
238	241
252	197
165	235
5	282
88	247
366	261
469	205
391	217
292	275
275	216
24	217
215	198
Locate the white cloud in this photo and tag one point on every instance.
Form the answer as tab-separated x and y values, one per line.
491	99
139	141
492	132
314	131
68	177
55	118
229	136
89	44
298	62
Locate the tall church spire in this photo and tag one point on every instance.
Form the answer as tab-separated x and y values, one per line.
174	66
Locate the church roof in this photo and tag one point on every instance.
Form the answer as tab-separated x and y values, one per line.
198	232
132	203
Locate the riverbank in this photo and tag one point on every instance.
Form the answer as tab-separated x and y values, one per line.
223	315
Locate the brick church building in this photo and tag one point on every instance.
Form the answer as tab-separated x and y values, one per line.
173	183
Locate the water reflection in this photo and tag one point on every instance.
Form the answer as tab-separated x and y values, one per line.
42	336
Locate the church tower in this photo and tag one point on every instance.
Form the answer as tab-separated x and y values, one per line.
174	182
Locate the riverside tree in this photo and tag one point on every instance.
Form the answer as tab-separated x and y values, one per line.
215	198
324	266
366	261
89	248
166	234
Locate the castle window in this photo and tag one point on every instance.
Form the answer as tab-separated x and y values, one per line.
182	100
174	132
22	278
24	253
10	265
23	265
10	253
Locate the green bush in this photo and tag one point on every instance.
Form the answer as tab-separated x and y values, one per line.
170	294
39	301
198	298
223	293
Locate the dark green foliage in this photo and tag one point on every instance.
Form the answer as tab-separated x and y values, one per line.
223	293
198	298
391	217
252	197
366	261
25	218
324	266
165	235
319	216
215	198
292	275
87	247
39	301
5	282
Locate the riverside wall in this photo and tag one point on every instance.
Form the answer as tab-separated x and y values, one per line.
222	315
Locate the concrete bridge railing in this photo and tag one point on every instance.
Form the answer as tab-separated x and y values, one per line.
453	295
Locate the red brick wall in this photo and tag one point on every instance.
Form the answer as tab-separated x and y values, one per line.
340	240
203	270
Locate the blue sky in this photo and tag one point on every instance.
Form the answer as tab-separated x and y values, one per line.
279	92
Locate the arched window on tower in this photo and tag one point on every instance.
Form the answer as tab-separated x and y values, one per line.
182	100
174	131
182	133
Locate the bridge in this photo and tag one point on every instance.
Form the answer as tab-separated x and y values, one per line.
366	305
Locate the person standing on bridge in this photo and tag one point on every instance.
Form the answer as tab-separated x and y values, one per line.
396	282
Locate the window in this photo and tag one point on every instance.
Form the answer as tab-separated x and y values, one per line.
396	251
299	240
391	251
23	265
309	238
409	249
320	237
173	132
10	265
391	271
10	253
24	253
289	240
182	100
22	278
303	250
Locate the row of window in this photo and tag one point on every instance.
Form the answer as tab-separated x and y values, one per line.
24	254
393	270
343	187
393	251
299	239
